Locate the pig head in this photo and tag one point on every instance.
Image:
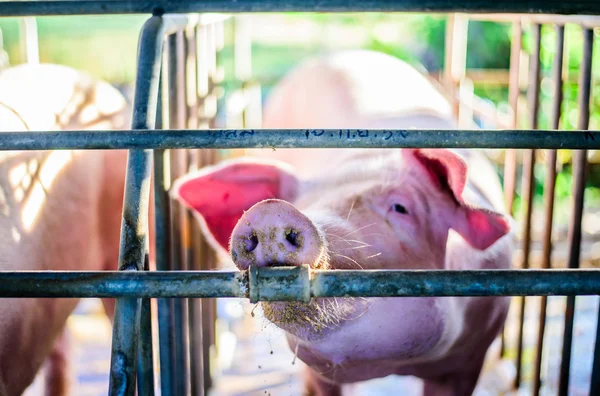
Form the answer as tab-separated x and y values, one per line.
362	209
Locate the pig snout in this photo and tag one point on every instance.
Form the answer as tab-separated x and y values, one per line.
274	232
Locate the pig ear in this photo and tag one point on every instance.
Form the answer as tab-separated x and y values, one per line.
481	228
219	195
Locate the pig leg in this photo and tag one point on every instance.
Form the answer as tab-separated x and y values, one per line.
58	377
455	385
315	386
109	307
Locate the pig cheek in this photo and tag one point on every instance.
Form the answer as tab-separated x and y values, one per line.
419	237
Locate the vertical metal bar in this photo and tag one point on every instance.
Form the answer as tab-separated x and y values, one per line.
211	50
209	307
145	378
252	112
456	55
191	59
595	384
447	79
4	59
549	189
30	52
194	305
185	233
177	110
579	177
206	261
528	181
211	100
202	69
510	156
510	161
196	337
242	48
203	83
170	305
134	226
162	215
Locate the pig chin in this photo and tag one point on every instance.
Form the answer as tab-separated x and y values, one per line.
321	316
314	320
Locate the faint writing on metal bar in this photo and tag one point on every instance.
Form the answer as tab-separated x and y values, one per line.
302	138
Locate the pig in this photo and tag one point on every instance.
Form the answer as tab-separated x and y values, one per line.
59	210
337	209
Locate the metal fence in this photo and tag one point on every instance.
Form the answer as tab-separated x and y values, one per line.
455	74
150	144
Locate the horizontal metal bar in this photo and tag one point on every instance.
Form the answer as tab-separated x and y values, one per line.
290	283
302	138
456	283
69	7
146	284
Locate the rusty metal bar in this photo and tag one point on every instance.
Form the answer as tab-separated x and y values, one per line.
455	57
510	162
177	118
549	189
267	284
145	374
194	305
162	215
215	41
510	156
208	307
197	351
134	227
579	177
183	162
191	72
201	308
528	181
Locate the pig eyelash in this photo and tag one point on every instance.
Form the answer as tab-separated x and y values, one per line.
399	208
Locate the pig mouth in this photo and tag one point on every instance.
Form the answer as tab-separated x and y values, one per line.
314	320
320	317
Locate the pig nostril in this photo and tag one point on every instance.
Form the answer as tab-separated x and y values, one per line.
251	243
291	237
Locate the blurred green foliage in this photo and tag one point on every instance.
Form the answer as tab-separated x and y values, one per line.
104	46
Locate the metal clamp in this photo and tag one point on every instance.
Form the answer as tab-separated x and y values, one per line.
279	284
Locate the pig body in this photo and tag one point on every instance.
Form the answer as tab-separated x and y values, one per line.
59	210
365	209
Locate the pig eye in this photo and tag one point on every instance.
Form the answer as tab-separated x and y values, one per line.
399	209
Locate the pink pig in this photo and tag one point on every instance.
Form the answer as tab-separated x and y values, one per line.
59	210
365	209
